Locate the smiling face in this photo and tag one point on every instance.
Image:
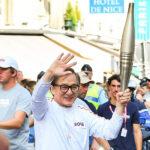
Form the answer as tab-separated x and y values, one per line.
65	99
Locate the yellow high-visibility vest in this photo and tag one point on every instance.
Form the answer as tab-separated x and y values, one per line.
93	94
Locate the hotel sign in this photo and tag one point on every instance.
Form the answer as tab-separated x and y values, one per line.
106	6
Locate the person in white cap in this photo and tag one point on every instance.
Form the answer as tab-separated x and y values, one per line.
83	87
61	123
15	105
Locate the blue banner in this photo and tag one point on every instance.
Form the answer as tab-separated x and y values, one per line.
142	19
106	6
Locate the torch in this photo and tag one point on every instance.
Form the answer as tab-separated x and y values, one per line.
127	48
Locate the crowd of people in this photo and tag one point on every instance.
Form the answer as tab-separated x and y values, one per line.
67	110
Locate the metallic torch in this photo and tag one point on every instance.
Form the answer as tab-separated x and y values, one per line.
127	48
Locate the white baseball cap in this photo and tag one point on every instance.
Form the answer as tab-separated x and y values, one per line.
84	78
6	62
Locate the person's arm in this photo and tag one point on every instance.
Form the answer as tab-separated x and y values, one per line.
57	68
95	145
139	97
15	122
137	136
146	101
103	143
4	141
122	99
31	121
109	129
104	128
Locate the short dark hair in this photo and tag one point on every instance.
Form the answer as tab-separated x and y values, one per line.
146	79
73	72
39	76
143	82
12	70
86	67
24	83
113	77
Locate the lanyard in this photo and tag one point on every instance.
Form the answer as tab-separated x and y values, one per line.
125	115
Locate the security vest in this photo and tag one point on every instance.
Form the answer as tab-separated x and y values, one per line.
93	94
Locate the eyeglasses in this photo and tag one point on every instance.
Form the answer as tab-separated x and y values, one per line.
64	88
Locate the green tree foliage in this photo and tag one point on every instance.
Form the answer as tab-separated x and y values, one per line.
72	14
74	17
78	13
69	11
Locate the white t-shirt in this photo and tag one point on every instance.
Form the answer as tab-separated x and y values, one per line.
12	100
62	128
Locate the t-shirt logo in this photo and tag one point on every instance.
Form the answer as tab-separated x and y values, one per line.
4	102
2	59
79	124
